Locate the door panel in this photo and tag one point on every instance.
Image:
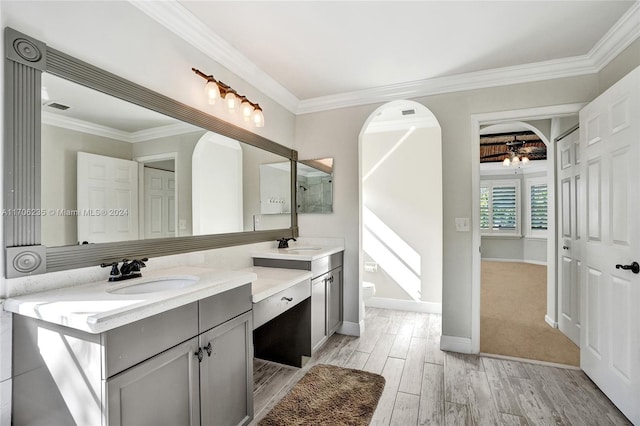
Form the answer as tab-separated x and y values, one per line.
568	248
107	197
160	391
610	134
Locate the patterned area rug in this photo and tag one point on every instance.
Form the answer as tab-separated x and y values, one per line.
329	395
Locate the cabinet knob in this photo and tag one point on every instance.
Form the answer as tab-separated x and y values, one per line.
209	349
200	354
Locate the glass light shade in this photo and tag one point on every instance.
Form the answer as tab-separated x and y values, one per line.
258	117
506	162
247	110
232	101
525	160
515	160
212	91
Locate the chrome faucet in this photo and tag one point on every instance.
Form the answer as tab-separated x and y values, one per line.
129	269
284	242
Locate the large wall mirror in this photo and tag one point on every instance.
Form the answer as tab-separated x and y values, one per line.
114	170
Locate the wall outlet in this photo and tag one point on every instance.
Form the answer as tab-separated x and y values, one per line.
182	224
462	224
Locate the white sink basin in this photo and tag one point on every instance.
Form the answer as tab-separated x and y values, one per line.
303	248
157	285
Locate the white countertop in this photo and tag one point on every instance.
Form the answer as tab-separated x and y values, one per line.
304	252
92	308
273	280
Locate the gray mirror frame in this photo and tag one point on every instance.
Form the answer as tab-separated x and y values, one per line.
25	60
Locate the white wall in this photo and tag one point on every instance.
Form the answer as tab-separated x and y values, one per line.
404	192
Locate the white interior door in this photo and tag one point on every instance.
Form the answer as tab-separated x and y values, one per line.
569	258
610	333
107	199
159	203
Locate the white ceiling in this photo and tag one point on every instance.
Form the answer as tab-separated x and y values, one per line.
318	55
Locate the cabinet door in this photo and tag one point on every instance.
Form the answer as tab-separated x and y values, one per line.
334	300
164	390
226	373
318	311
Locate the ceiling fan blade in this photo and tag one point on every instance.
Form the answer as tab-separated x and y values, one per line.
500	154
532	150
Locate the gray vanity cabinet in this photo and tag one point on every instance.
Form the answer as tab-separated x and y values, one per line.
326	292
192	365
326	306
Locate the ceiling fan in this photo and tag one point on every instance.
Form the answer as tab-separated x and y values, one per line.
517	148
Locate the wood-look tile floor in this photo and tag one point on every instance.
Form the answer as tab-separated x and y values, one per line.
427	386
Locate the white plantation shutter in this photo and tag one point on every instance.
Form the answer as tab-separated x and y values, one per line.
538	205
500	207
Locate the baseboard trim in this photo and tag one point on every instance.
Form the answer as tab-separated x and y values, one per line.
552	323
531	262
404	305
351	328
456	344
531	361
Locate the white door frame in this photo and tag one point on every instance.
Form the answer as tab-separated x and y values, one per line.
142	160
540	113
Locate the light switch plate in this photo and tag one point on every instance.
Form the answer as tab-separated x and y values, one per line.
462	224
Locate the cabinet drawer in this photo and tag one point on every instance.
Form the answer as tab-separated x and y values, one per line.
222	307
271	307
133	343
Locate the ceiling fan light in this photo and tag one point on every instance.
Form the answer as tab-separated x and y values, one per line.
506	162
212	91
516	160
525	160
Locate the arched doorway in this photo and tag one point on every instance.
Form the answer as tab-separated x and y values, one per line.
401	207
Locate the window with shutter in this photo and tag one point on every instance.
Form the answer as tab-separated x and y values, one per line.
537	208
500	207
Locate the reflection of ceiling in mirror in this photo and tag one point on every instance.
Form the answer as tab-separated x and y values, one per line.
94	112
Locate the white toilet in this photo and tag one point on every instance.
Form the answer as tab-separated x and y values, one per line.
368	291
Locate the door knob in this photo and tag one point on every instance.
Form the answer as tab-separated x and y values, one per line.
634	267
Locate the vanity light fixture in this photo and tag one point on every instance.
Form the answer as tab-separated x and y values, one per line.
215	90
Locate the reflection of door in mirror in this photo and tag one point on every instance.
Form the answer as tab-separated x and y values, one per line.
159	199
107	199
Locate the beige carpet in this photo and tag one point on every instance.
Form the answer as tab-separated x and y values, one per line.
329	395
512	309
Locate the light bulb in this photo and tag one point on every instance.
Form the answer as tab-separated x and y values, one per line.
258	117
247	110
232	101
525	160
212	91
506	162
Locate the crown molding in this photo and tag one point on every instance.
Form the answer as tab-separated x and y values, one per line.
619	37
111	133
176	18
